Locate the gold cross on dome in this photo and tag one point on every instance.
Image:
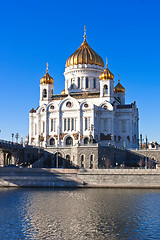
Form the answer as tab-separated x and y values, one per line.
84	32
47	67
118	77
106	62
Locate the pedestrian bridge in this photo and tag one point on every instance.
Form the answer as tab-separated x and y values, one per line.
10	153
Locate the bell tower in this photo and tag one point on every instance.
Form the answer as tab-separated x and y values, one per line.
107	84
46	88
119	92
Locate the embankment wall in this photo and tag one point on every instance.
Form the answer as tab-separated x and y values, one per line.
115	178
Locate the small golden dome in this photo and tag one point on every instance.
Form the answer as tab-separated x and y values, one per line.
63	92
106	74
84	55
119	88
47	79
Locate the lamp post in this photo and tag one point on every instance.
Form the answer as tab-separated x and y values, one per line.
12	137
146	153
16	137
57	146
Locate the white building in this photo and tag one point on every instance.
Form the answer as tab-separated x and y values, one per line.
90	108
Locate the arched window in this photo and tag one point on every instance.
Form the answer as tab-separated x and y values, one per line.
82	161
78	82
94	83
86	140
105	89
91	161
52	142
44	93
69	141
86	82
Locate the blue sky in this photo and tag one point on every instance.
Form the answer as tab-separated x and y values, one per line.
127	32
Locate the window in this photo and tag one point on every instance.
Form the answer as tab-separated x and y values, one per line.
65	124
68	104
86	82
86	140
44	93
52	107
82	161
78	82
106	124
69	141
85	124
91	161
54	125
72	127
51	125
105	89
94	83
69	124
69	121
52	141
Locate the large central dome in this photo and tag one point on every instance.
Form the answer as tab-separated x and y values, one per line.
84	55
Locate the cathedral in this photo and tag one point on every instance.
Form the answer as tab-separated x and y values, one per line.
91	110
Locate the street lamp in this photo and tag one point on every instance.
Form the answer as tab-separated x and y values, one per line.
146	153
12	137
57	146
16	137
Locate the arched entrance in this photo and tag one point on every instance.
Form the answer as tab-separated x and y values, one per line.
58	160
68	161
69	141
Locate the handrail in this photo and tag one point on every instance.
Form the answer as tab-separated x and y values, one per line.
10	144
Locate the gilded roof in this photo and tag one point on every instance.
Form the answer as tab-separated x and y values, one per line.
47	79
84	55
119	88
63	92
106	74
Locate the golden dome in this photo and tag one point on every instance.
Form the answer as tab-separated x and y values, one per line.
47	79
106	74
119	88
63	92
84	55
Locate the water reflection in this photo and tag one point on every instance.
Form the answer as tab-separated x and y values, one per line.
79	214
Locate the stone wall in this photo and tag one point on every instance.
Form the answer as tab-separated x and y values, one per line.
92	156
115	178
126	178
153	154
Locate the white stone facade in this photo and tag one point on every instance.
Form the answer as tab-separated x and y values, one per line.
87	112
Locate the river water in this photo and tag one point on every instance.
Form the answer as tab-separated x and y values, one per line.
79	214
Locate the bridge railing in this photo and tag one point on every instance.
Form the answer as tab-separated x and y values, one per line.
10	144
